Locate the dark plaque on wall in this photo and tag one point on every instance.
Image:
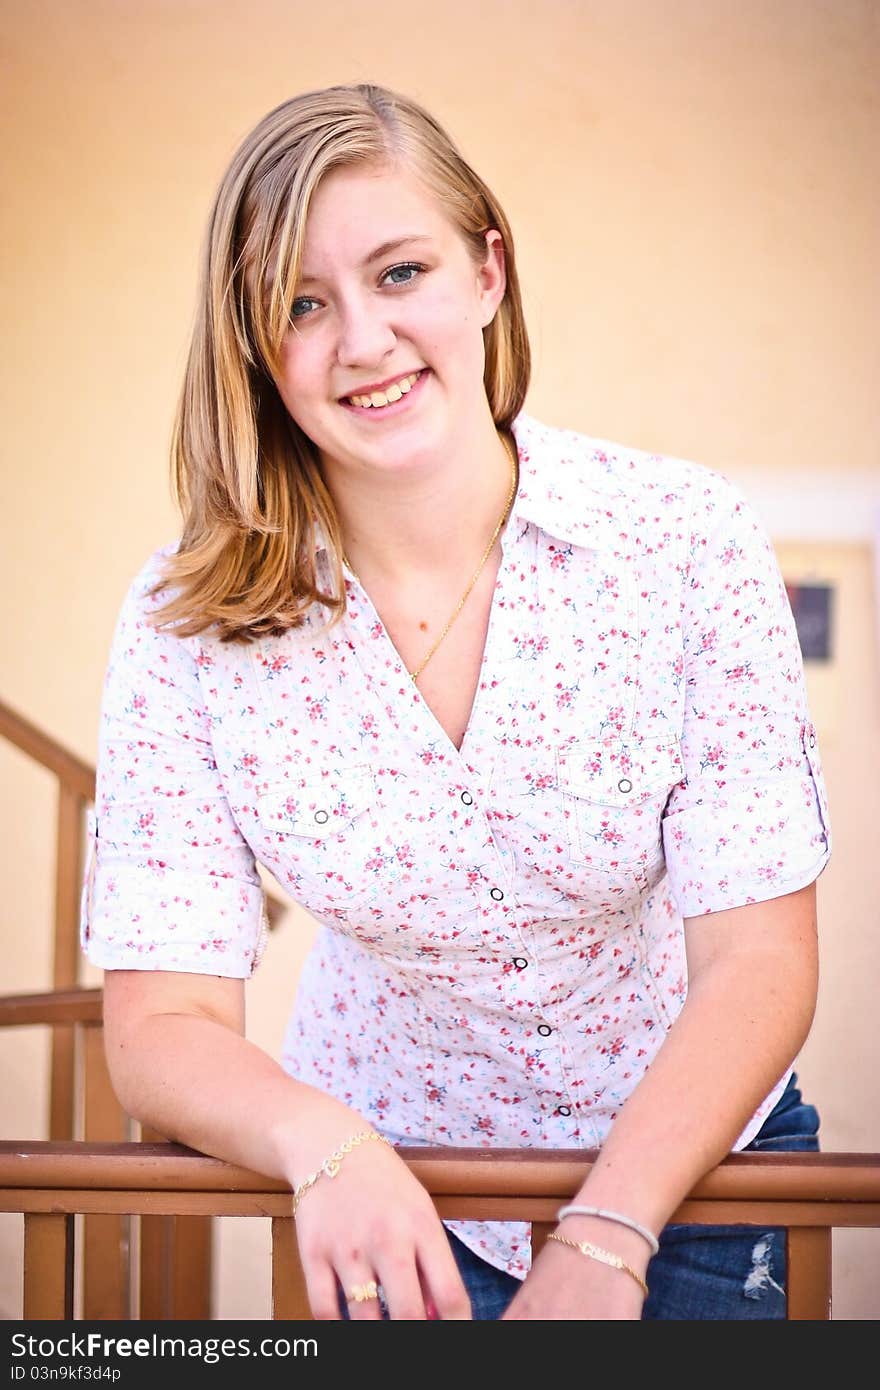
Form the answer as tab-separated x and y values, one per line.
811	606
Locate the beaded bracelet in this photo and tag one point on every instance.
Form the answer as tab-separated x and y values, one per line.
330	1167
605	1257
636	1226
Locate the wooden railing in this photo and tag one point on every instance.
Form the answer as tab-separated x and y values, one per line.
808	1194
76	790
176	1254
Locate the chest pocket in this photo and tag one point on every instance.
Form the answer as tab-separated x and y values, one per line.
613	797
324	837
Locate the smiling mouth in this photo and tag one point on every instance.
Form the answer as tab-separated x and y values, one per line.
376	399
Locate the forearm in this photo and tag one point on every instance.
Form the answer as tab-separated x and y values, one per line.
743	1022
200	1083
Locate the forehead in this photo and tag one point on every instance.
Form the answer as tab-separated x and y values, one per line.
355	211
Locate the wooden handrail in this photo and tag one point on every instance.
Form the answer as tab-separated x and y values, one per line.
71	771
830	1178
58	1006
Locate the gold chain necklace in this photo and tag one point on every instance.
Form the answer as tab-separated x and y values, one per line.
514	478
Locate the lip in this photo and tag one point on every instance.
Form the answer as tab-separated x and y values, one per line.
392	408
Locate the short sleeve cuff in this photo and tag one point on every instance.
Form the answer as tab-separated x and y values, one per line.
137	918
748	846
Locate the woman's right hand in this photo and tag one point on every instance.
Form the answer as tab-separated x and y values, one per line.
374	1221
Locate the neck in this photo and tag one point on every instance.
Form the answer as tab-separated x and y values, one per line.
435	521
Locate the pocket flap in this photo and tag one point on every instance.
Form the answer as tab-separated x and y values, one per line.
621	772
317	806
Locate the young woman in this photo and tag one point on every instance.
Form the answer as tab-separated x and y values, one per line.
517	715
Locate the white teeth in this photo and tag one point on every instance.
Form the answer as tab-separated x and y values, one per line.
376	399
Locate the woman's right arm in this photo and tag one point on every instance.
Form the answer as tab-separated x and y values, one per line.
172	913
180	1063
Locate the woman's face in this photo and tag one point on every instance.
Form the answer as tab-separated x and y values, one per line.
383	362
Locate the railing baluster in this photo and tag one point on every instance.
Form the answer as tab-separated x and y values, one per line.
48	1266
176	1262
540	1232
106	1239
175	1266
289	1297
809	1272
68	864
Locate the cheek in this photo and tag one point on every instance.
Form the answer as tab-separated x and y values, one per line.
451	326
298	382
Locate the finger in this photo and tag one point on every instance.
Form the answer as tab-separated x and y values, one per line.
402	1288
323	1292
443	1288
361	1293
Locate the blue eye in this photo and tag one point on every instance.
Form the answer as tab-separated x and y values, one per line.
402	274
302	306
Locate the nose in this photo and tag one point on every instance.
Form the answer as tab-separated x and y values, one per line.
365	333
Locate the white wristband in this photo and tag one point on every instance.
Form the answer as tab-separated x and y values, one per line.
612	1216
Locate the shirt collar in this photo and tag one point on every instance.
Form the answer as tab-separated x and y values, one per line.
565	487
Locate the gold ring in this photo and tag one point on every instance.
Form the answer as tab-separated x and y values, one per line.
362	1293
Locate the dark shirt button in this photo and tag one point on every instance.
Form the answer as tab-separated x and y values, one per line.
545	1030
624	785
564	1110
496	893
520	962
467	799
322	817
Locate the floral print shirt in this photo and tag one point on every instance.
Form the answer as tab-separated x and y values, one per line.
500	947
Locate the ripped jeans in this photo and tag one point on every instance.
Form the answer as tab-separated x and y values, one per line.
700	1272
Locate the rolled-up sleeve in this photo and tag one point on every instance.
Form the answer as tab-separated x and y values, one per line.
749	821
170	883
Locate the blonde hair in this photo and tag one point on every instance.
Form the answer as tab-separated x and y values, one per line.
247	479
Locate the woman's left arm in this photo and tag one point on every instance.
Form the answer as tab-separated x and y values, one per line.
752	983
748	817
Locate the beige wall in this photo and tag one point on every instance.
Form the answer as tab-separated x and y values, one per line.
693	184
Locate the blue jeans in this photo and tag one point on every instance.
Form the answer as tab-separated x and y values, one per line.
700	1272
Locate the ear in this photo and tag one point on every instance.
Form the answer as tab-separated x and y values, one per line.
492	276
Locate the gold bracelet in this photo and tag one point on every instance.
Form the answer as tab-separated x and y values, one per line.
330	1167
605	1257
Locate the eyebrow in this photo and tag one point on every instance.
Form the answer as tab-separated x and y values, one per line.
386	249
